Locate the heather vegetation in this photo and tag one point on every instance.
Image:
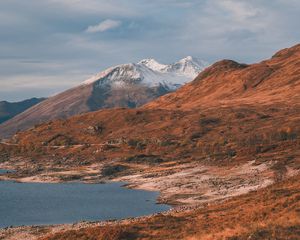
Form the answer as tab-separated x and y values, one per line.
226	145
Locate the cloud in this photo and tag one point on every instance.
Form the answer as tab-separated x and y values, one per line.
105	25
45	45
240	10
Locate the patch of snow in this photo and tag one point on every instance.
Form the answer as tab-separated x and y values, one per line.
152	64
188	66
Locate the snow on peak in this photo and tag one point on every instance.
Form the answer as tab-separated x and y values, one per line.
188	66
152	64
193	60
187	59
151	73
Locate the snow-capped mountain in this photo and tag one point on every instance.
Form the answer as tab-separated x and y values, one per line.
189	67
150	73
126	85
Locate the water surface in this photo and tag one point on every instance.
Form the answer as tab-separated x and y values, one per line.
44	203
4	171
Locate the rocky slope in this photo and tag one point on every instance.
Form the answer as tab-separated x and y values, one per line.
127	85
10	109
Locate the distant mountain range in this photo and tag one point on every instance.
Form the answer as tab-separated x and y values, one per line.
127	85
10	109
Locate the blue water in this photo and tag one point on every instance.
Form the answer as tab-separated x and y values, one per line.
4	171
43	203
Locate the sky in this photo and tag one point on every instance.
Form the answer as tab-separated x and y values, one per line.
47	46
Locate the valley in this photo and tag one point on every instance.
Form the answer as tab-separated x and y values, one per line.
223	150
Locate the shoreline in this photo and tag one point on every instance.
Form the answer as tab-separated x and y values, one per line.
211	185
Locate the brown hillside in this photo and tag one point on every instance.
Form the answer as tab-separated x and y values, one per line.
234	129
230	83
125	85
215	120
215	105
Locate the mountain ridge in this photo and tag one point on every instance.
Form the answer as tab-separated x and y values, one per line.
264	88
231	136
257	83
10	109
126	85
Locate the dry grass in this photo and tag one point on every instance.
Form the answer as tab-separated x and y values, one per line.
230	115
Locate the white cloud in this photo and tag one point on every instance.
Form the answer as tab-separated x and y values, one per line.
56	33
104	26
240	10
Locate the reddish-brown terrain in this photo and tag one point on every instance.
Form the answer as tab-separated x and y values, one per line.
228	83
126	85
234	129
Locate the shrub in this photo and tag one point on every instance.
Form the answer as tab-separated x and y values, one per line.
240	115
196	135
60	140
96	130
109	170
209	121
137	144
166	143
285	135
231	153
132	142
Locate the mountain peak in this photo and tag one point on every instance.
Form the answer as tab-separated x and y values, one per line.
151	73
188	66
147	60
187	59
194	60
152	64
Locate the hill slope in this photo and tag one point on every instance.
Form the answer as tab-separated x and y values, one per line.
127	85
228	82
213	120
234	129
245	91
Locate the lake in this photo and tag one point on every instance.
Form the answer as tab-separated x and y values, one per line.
47	203
3	171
